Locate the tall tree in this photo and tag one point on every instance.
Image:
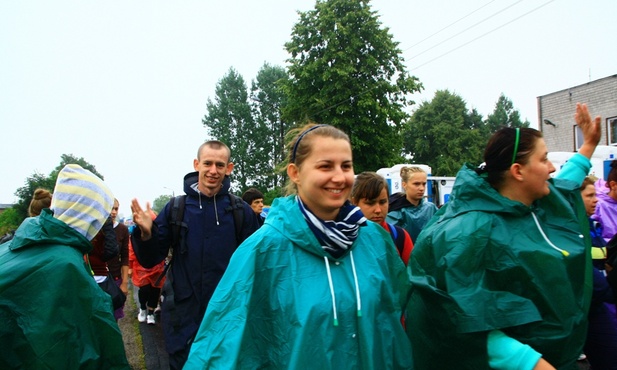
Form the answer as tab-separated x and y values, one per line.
504	115
38	180
229	120
444	135
267	100
346	70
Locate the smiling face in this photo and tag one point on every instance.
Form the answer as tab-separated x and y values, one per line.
589	199
212	165
375	209
536	173
325	177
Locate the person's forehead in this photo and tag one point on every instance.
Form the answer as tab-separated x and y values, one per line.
212	154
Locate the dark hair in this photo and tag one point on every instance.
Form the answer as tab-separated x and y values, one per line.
216	145
299	148
40	199
500	151
252	194
368	185
612	174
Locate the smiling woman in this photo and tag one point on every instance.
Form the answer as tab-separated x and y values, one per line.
317	277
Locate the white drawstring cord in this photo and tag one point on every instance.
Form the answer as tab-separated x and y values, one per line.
565	253
355	279
331	290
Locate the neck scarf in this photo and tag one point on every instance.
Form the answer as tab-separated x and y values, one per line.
335	237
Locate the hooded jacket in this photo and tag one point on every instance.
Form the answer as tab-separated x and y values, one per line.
411	218
195	271
606	213
53	315
276	306
486	262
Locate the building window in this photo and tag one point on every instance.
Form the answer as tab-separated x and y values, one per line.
578	138
611	129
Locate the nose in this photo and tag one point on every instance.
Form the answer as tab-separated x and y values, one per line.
338	175
551	168
377	209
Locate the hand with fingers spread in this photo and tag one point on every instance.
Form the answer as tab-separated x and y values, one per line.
142	219
591	129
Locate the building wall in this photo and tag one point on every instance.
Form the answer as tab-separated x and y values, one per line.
559	107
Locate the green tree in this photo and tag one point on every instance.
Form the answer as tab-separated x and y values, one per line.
160	202
346	70
504	115
38	180
229	120
9	221
444	135
267	100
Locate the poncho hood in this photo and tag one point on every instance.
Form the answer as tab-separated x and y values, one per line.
45	229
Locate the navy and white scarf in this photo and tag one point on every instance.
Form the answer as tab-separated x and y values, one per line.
335	237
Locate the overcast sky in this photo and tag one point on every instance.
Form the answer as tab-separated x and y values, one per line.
124	84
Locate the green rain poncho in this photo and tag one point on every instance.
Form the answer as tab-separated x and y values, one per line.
53	315
274	306
483	264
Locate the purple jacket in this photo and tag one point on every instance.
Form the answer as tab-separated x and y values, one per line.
606	213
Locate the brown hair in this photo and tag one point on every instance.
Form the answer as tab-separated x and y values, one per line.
408	170
500	151
299	147
589	180
368	185
216	145
40	199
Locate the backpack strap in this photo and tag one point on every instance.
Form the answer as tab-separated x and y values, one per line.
175	219
237	207
398	236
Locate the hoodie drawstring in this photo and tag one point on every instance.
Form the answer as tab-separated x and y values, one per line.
331	290
564	252
199	193
331	284
216	212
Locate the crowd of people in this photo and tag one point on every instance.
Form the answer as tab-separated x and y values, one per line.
515	271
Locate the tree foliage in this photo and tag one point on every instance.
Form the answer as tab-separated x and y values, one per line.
38	180
267	100
346	70
229	120
9	221
443	134
160	202
504	115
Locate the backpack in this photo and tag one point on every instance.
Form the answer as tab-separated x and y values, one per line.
398	236
179	228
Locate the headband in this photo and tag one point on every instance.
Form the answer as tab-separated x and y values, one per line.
293	153
518	137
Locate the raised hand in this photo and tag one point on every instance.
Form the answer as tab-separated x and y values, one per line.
142	218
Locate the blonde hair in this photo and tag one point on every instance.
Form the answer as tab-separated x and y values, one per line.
407	171
300	146
40	199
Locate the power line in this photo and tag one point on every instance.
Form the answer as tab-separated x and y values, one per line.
448	26
452	50
483	35
467	29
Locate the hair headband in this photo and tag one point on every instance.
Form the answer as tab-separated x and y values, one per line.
293	153
518	137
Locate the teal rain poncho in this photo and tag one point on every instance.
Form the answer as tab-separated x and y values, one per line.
274	306
53	315
483	264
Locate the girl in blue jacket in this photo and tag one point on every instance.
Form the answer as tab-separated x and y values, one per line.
316	287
